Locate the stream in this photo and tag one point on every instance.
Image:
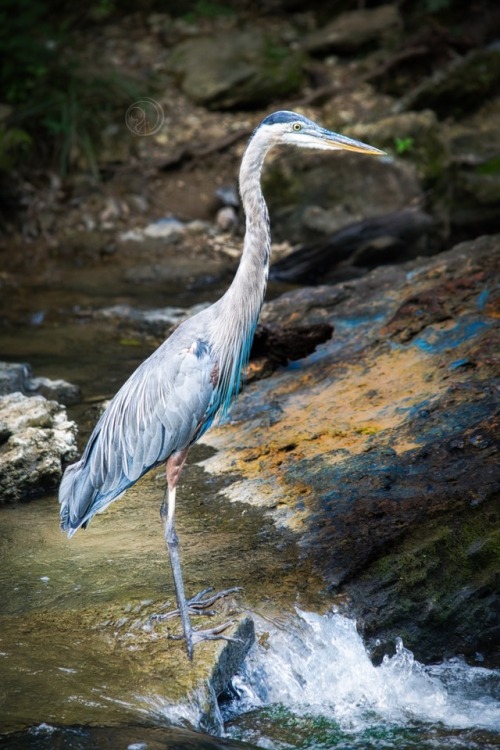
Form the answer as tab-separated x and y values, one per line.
308	682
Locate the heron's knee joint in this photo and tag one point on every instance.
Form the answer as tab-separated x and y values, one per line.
171	537
173	540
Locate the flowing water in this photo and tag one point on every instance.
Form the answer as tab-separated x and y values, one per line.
308	683
312	685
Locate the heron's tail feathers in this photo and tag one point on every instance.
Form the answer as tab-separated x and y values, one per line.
80	500
76	497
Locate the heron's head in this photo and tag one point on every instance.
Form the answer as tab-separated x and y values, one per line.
297	130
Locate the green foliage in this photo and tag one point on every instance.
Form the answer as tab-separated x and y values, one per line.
13	142
62	106
404	145
72	109
435	6
207	9
102	9
490	167
275	53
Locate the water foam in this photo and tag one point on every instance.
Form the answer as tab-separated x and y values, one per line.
319	665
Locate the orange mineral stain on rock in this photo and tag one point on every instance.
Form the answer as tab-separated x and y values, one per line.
326	411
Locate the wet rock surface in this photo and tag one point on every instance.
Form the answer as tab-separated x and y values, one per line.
76	624
149	661
383	444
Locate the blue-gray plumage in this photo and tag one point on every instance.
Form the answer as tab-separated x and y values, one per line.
174	396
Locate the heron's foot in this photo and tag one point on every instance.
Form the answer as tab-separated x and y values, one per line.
199	604
210	634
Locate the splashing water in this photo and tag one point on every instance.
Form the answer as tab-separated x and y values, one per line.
316	679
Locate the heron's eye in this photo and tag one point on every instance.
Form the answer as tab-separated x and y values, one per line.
297	126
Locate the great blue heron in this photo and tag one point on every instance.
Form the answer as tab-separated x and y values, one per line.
174	396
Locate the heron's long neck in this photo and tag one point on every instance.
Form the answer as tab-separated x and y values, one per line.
239	308
245	295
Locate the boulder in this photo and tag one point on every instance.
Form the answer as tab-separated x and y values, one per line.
354	29
237	69
414	136
15	376
310	196
459	87
348	253
474	145
36	438
380	450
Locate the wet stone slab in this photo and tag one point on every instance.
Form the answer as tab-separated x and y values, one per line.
77	637
387	430
77	643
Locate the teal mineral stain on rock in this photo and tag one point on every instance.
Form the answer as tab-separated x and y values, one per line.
434	340
483	298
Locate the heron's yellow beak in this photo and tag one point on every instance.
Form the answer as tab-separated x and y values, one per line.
337	141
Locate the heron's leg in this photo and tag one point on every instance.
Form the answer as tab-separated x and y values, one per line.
174	467
172	541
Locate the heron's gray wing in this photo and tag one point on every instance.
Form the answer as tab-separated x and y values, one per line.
157	412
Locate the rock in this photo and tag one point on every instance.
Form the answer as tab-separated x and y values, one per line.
13	377
317	195
237	69
274	346
16	376
169	230
354	29
130	737
415	136
228	196
97	594
458	163
35	439
226	219
395	237
384	447
475	174
54	390
229	660
460	87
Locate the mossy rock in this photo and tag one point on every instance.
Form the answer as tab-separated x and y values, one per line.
313	195
474	175
442	579
237	69
412	136
460	87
